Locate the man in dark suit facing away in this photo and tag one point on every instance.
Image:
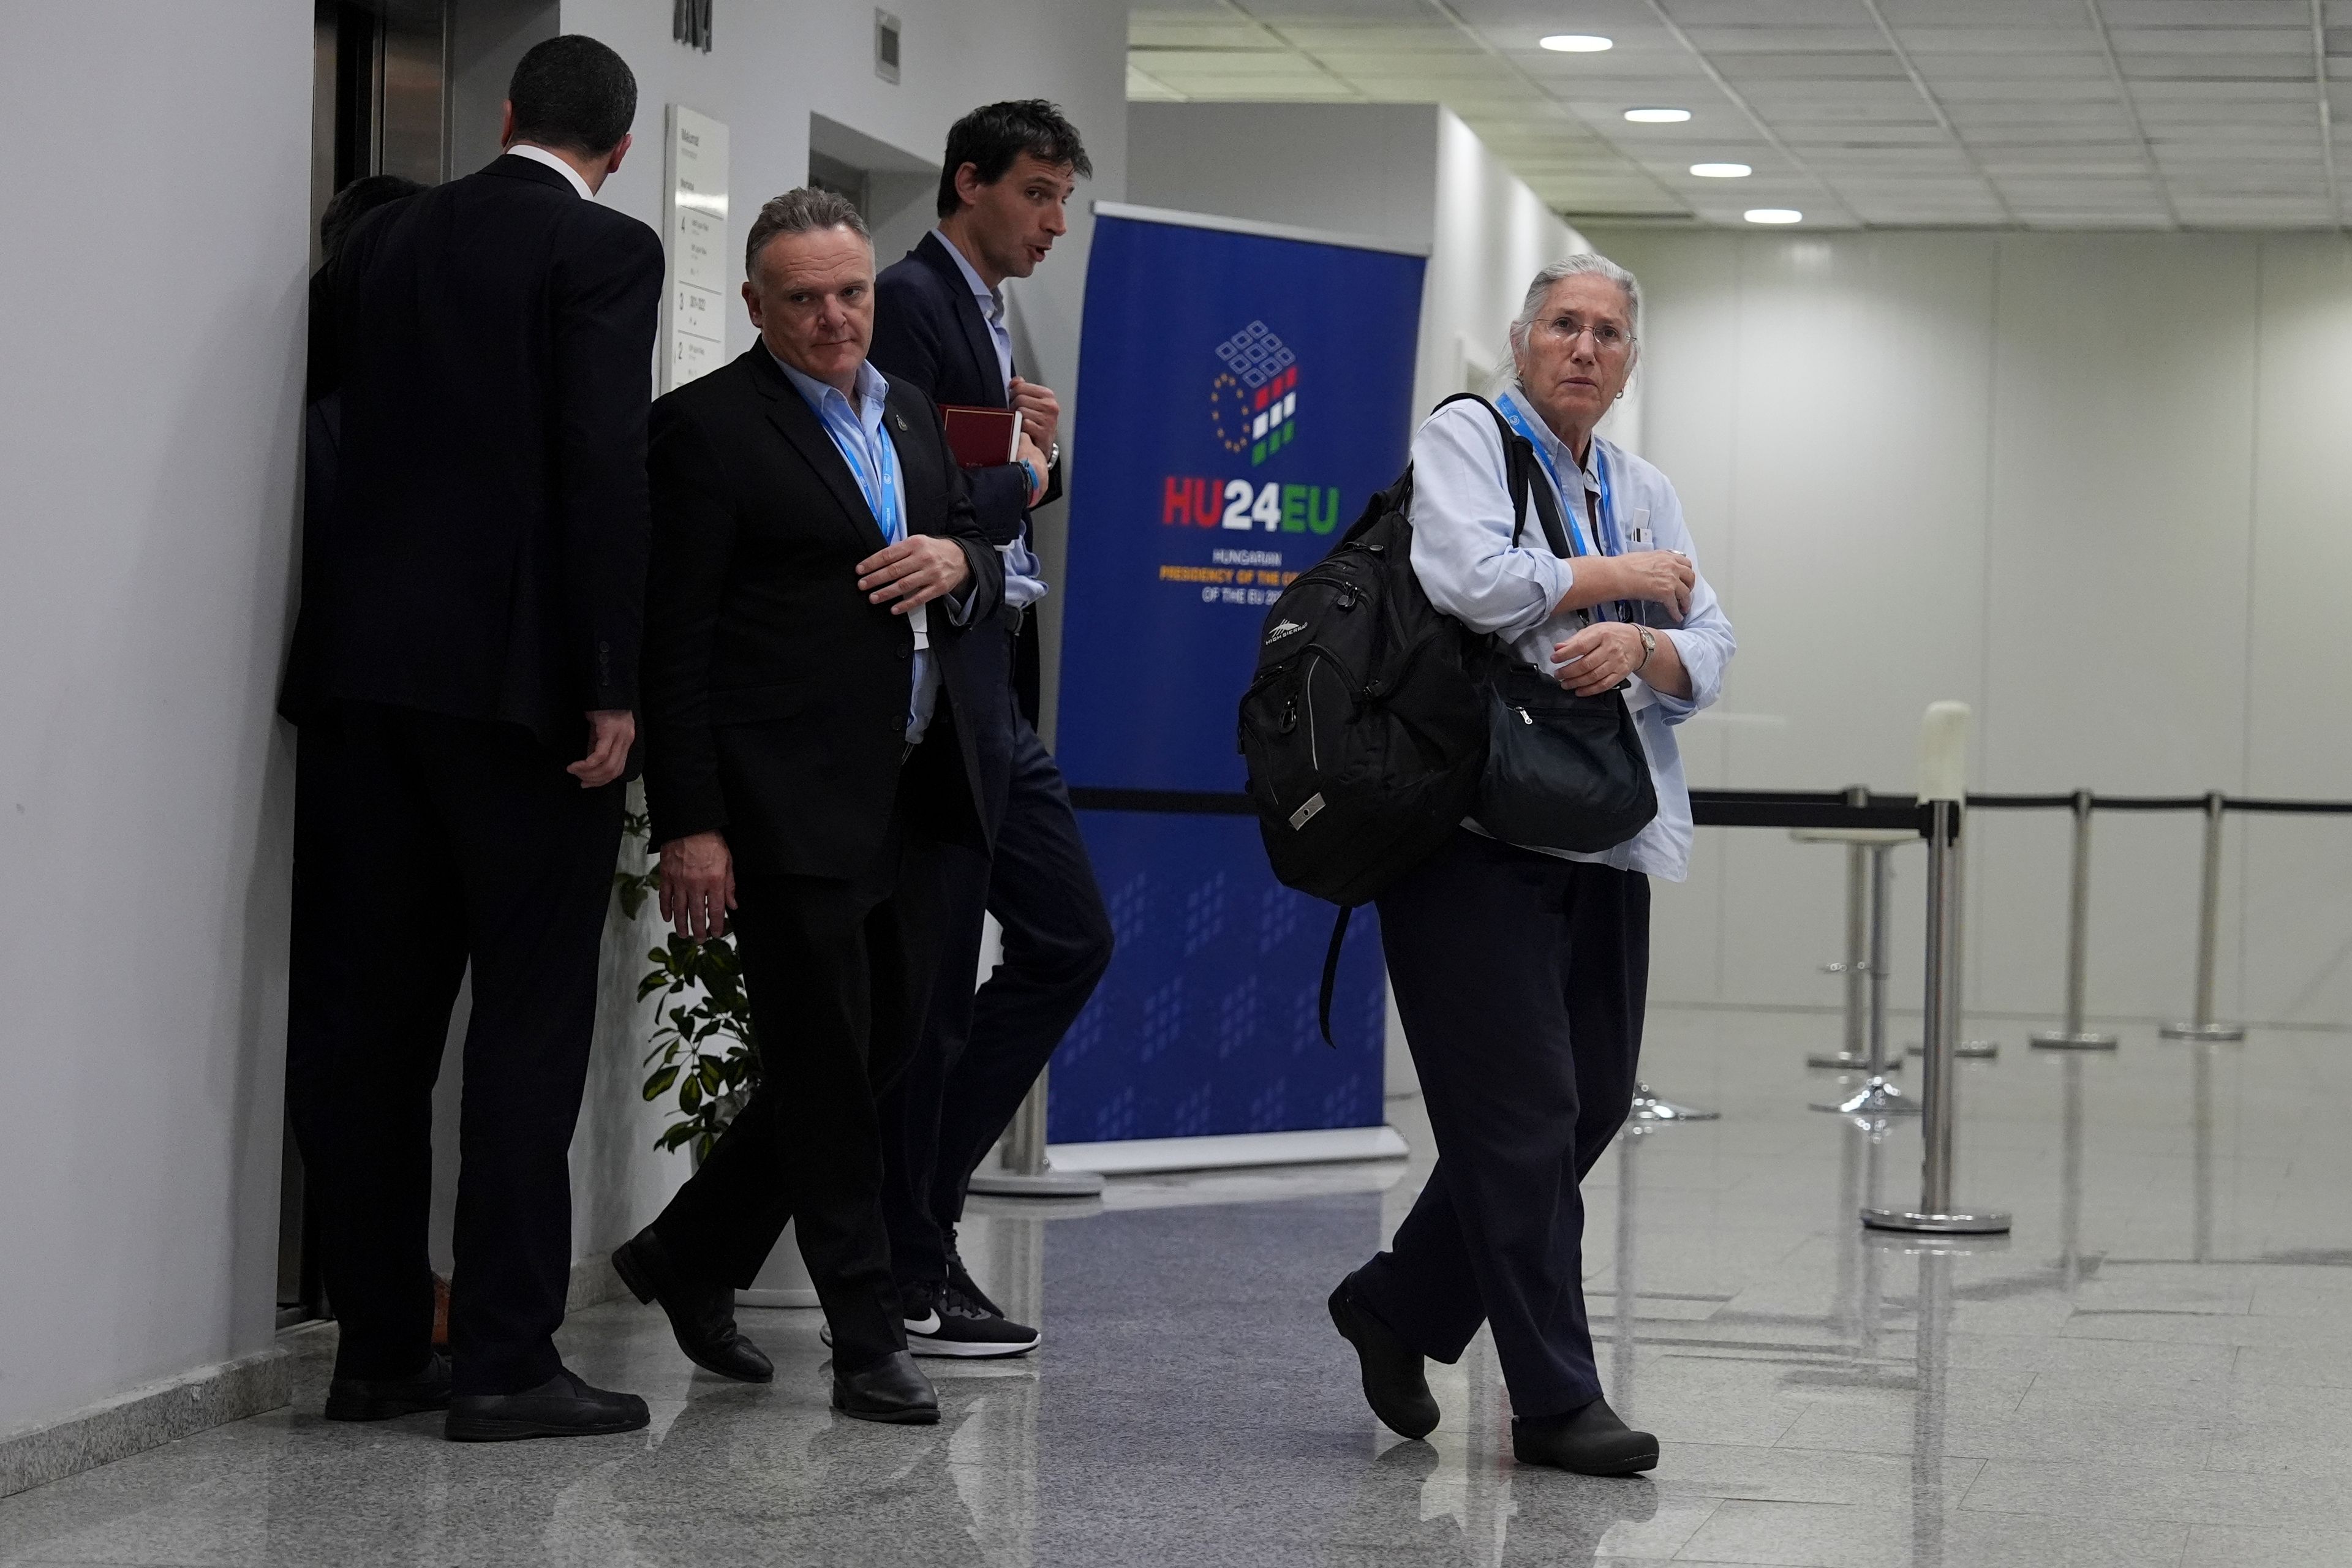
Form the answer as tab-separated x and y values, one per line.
467	669
941	324
809	752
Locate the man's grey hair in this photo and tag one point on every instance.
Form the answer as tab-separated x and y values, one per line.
1584	264
803	211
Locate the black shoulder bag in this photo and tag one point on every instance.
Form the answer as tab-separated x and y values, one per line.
1563	771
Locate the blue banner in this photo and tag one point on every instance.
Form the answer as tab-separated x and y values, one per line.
1239	397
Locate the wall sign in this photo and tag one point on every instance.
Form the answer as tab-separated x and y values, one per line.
694	315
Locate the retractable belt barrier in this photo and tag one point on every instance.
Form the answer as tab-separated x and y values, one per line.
1938	822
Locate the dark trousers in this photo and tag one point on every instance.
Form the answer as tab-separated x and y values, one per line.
1520	979
981	1054
423	845
837	972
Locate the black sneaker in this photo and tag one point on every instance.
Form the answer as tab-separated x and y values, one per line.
947	1321
960	1280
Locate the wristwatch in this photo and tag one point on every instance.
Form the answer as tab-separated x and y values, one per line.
1649	646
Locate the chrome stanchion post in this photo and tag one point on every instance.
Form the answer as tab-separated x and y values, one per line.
1025	1171
2073	1037
1943	767
1857	964
2209	919
1877	1097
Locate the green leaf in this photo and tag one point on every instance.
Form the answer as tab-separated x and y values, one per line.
657	1084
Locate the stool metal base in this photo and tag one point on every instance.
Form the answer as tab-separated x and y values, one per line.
2059	1040
1842	1061
1877	1098
1986	1222
1648	1107
1048	1183
2202	1031
1967	1050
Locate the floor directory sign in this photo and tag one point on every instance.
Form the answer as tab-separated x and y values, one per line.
1244	391
694	315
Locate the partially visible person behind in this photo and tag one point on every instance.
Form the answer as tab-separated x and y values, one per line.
465	689
322	424
809	756
940	324
1521	975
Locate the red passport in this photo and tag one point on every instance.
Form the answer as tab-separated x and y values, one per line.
981	437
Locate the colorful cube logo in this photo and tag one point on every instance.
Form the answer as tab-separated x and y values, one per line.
1255	400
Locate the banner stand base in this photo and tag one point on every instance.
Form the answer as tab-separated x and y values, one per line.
1228	1150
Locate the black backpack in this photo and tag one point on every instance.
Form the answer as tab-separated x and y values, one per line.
1364	728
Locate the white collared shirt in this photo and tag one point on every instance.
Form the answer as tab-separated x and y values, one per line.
541	155
1022	586
1462	554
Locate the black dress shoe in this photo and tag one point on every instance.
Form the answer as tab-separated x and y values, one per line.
1591	1441
1394	1383
701	1315
562	1407
381	1398
893	1389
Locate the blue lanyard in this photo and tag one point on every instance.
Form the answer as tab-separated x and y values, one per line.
1610	544
881	493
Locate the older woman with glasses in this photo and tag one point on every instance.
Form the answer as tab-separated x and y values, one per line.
1521	972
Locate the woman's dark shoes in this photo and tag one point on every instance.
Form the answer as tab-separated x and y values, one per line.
562	1407
381	1398
1394	1383
893	1389
1591	1441
701	1315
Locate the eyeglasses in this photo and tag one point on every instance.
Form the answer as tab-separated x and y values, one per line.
1608	337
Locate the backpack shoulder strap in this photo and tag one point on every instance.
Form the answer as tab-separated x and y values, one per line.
1331	974
1518	469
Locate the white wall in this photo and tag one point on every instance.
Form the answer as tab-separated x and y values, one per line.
152	305
2092	484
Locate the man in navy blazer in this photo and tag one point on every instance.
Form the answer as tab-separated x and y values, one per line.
940	324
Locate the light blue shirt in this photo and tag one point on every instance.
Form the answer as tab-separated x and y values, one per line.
1462	551
858	435
1022	584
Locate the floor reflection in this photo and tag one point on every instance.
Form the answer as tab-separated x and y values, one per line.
2154	1369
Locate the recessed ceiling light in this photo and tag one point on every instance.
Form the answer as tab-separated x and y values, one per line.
1774	215
1577	43
1721	171
1657	116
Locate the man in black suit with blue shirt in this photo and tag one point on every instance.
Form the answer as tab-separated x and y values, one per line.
940	324
811	755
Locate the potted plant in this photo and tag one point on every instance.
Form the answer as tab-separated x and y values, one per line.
702	1050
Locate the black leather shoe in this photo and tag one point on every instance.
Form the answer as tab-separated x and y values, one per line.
381	1398
562	1407
893	1389
701	1315
1394	1383
1591	1441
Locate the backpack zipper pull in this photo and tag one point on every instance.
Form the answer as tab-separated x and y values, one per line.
1290	715
1523	715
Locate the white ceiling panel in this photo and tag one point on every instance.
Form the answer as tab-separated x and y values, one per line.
2061	113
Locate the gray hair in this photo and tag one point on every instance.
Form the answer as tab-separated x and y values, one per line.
1584	264
803	211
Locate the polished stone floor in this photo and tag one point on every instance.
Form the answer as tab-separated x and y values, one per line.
2155	1369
